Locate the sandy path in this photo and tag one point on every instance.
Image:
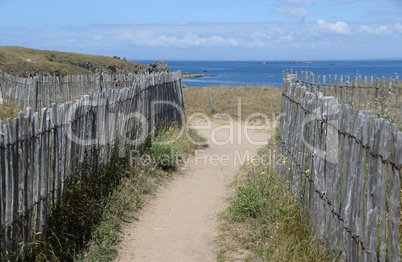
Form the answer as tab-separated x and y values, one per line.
179	224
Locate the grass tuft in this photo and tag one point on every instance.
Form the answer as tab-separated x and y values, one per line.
263	222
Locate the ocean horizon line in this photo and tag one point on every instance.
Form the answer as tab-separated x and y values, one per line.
252	60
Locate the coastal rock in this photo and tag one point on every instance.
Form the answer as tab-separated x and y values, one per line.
159	66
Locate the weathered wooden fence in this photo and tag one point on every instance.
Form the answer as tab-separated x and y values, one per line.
42	91
39	151
344	165
381	96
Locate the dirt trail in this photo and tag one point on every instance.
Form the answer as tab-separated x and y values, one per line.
180	223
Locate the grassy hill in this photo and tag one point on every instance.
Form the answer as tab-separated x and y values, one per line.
28	62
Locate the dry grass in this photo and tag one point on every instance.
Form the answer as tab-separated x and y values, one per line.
21	61
8	110
264	99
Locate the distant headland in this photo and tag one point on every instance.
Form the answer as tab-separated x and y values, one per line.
302	62
191	75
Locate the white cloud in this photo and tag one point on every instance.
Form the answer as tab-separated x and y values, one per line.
398	27
291	11
276	38
184	40
260	35
338	28
380	30
286	38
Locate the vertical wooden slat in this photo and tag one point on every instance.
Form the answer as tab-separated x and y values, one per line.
312	83
27	153
394	194
347	90
360	92
61	149
371	92
383	101
54	142
3	190
358	194
383	176
376	101
389	91
306	79
341	91
13	127
336	86
324	85
365	94
352	92
396	100
347	177
8	196
371	227
44	171
37	165
22	179
318	83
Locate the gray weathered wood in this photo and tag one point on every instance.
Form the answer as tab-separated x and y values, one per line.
356	190
394	194
372	208
396	101
37	155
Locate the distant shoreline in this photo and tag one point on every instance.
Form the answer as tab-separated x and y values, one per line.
302	62
191	75
271	73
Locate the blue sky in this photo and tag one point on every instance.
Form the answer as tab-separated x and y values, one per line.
208	29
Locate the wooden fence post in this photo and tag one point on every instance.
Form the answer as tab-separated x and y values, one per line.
36	93
211	103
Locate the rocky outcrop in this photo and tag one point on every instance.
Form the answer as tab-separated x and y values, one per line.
159	66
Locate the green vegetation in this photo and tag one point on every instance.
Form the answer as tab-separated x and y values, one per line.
25	62
263	222
169	148
86	226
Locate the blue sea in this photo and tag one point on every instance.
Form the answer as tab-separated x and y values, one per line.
256	73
